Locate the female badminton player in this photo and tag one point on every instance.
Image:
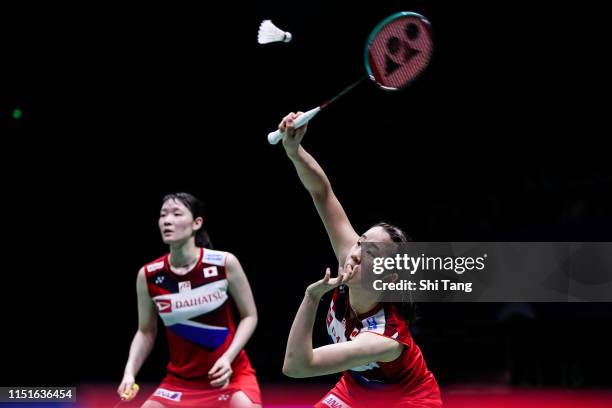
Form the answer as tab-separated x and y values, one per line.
370	341
190	289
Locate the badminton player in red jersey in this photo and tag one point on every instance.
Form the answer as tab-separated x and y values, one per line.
190	289
370	341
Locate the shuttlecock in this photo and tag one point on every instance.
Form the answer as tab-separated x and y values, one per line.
268	33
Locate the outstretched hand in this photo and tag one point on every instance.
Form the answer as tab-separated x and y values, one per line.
321	287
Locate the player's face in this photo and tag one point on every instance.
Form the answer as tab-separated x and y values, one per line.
176	222
374	234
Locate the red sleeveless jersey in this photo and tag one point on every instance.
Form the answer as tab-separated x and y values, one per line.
408	371
196	311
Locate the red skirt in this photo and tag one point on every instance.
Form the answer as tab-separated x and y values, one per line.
348	393
176	392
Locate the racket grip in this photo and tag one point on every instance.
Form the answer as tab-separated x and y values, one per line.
277	135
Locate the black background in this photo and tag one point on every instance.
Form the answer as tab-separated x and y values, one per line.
500	139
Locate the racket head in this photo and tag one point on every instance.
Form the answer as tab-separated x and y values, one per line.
398	50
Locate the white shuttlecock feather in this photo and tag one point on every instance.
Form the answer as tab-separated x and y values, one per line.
269	33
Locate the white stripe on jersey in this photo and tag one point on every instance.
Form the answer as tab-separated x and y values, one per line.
195	302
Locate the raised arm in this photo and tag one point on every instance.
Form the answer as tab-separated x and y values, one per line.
339	229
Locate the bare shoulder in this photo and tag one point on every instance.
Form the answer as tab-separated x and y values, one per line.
231	260
141	278
233	268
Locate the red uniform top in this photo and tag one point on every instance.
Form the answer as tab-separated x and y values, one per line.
195	310
408	371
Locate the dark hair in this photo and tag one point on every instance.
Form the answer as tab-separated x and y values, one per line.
396	233
196	207
407	307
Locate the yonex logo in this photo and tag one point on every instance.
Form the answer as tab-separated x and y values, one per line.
159	280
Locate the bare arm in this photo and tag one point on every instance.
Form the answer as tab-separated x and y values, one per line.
301	360
339	229
144	339
241	293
